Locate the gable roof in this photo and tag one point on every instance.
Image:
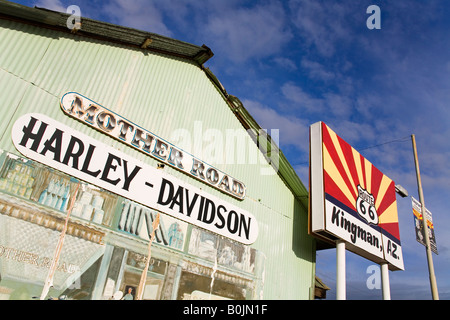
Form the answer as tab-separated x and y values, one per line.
156	43
108	32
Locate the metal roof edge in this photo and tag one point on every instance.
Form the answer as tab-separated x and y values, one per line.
284	169
107	32
321	284
157	43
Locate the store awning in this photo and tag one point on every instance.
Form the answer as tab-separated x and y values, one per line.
320	289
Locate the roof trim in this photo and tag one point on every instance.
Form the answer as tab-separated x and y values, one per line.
106	31
153	42
284	169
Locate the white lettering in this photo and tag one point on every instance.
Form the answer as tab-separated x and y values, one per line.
374	280
374	21
73	22
47	141
91	113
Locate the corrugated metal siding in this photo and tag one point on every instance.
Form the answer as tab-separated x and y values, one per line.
28	42
161	94
13	89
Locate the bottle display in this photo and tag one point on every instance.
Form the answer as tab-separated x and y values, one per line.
18	179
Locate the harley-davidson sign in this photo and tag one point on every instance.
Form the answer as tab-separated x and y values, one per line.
47	141
105	120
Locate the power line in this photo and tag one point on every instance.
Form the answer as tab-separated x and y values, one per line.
404	139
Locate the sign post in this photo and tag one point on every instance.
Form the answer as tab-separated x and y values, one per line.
341	290
141	288
385	281
51	272
434	290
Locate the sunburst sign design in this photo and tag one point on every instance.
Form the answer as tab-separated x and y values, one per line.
356	202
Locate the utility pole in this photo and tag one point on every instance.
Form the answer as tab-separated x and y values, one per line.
434	290
51	272
141	287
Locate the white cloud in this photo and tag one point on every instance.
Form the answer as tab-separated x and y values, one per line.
293	131
301	99
322	25
55	5
317	71
244	33
368	105
353	132
329	105
288	64
229	29
139	14
339	105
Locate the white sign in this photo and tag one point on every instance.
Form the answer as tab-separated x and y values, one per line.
353	230
420	233
351	200
45	140
91	113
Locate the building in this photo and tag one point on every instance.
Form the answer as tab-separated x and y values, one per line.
151	100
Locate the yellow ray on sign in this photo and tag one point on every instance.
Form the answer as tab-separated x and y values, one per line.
390	215
331	169
358	167
338	148
384	185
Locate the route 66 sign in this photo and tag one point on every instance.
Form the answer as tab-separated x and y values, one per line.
365	206
351	200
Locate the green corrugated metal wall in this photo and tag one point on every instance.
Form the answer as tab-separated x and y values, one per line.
162	94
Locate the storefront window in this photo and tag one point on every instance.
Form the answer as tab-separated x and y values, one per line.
34	200
137	220
103	255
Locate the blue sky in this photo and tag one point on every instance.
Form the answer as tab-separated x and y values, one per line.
293	63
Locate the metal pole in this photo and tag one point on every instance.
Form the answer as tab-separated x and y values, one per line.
141	287
340	271
434	290
51	272
385	281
